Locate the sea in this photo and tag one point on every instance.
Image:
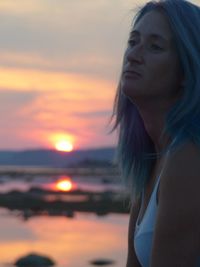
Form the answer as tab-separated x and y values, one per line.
82	240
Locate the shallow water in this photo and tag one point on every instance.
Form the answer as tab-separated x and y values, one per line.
82	183
70	242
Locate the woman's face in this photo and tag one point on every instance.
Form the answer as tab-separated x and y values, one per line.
151	66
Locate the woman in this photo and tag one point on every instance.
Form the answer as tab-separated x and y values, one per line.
157	109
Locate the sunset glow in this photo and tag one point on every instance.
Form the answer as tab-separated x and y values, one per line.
51	84
64	145
62	141
64	185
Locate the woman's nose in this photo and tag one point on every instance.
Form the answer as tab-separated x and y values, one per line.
135	54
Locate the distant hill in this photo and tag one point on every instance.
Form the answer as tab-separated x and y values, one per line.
52	158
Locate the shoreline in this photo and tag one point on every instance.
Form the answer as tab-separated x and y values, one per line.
37	201
82	171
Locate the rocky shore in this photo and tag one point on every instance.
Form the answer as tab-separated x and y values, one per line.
37	201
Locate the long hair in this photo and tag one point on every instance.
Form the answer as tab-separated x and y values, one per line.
135	153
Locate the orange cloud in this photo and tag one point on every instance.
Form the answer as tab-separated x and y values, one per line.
66	103
23	79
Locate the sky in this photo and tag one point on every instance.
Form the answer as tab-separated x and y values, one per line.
59	66
60	62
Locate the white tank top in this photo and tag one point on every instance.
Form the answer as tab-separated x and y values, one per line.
143	235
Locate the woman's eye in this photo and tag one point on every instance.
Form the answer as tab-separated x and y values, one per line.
156	47
131	42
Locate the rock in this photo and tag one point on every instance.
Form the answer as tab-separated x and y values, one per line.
34	260
101	262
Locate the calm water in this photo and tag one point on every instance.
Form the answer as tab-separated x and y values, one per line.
83	183
70	242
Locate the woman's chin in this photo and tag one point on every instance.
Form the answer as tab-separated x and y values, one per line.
128	90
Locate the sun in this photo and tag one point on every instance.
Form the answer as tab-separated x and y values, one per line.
64	145
62	141
64	185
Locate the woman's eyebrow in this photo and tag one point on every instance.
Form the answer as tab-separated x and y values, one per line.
154	35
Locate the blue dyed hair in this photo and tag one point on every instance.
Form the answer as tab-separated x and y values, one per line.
136	152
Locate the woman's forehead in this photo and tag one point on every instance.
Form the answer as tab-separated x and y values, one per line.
153	23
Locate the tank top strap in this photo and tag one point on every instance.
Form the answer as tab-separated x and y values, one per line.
155	189
159	176
158	180
156	183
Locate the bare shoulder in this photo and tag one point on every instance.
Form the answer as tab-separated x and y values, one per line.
187	157
179	190
181	177
182	169
177	228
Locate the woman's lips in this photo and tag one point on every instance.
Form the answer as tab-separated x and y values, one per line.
132	73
